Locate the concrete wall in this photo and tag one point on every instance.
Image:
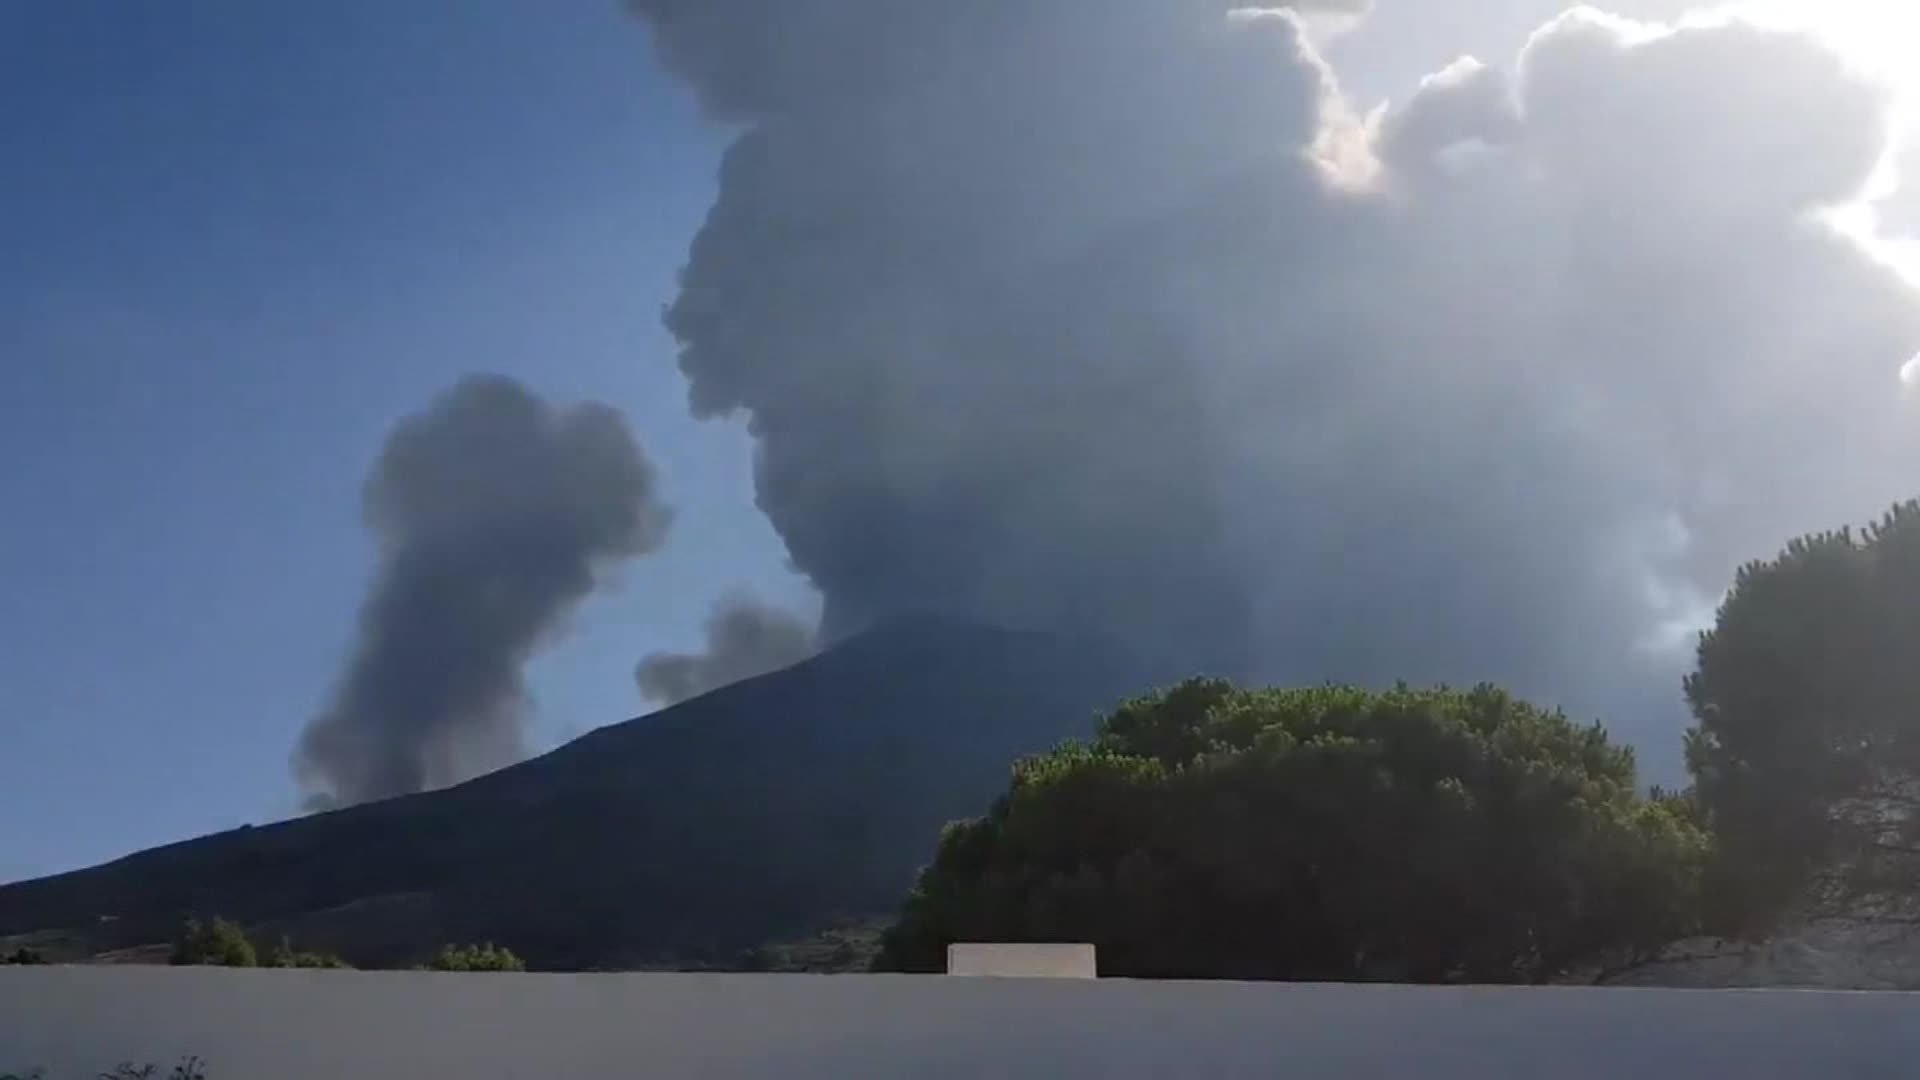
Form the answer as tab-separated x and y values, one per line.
321	1025
1048	961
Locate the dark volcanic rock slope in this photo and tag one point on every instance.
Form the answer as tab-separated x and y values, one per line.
761	811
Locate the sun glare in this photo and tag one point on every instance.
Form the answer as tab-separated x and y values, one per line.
1883	36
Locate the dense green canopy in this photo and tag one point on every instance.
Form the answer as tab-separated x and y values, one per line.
1331	833
1806	749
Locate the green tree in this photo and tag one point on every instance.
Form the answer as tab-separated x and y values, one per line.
484	957
1330	833
1806	747
218	943
24	955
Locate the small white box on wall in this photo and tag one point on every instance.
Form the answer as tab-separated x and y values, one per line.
1022	961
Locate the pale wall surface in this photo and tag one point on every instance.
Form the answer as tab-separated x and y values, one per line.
1031	961
295	1025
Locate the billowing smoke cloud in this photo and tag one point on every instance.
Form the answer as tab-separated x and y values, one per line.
1053	313
744	638
495	514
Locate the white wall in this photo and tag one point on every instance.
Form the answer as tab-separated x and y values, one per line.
320	1025
1048	961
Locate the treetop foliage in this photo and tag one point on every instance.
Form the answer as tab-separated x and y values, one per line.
1324	833
1806	747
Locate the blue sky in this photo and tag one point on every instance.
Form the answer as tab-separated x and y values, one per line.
240	240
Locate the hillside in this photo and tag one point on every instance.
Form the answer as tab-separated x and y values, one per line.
765	811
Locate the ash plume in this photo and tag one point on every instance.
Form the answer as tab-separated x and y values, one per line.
745	638
1060	314
495	514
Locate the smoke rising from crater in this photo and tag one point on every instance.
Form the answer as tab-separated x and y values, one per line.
745	638
1109	314
495	514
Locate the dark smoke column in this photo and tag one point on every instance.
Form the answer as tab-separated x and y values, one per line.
495	515
937	275
1115	314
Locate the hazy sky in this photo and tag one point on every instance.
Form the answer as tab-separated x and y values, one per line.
240	241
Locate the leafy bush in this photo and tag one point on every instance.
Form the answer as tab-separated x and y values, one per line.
1329	833
219	943
485	957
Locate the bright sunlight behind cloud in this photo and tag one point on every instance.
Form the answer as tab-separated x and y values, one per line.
1883	35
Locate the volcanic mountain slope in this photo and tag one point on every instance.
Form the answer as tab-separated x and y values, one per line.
763	811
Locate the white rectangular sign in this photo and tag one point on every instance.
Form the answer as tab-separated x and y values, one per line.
1025	961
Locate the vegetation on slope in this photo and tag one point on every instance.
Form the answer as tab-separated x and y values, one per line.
839	949
218	943
484	957
221	943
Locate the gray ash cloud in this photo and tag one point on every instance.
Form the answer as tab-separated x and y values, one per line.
495	515
1110	314
744	638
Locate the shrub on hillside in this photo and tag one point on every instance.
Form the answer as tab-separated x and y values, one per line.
218	943
485	957
284	955
1331	833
